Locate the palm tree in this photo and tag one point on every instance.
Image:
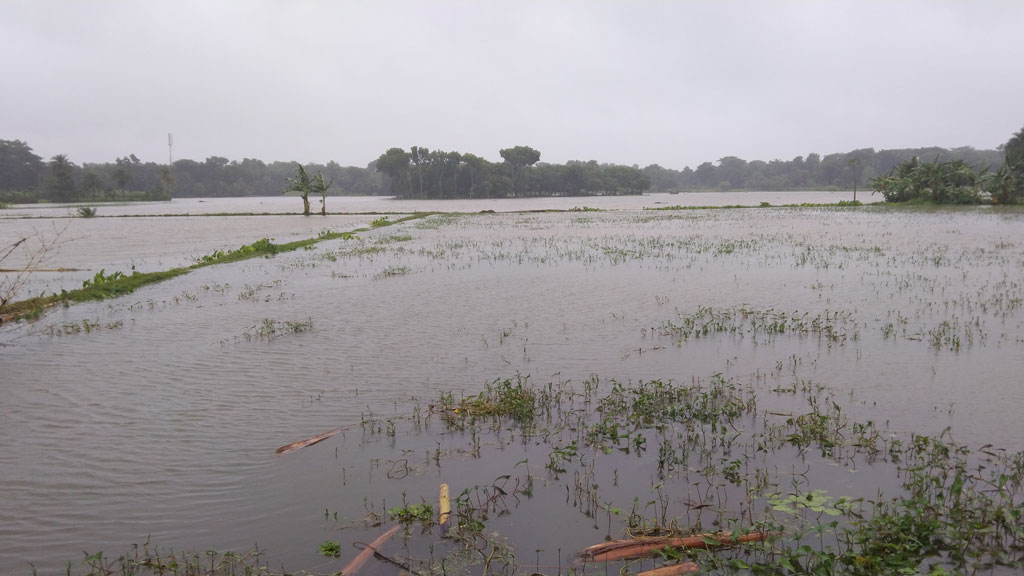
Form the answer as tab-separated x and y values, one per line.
60	181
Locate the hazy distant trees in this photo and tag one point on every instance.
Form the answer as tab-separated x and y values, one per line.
814	172
21	170
92	185
423	173
217	176
1012	178
59	184
122	178
24	177
436	174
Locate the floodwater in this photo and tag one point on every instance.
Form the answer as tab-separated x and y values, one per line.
156	415
390	204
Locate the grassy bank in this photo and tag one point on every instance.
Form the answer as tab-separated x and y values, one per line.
103	286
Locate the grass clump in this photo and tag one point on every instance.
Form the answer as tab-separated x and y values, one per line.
513	398
268	329
148	559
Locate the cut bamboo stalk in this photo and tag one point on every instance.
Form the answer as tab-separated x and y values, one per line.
445	509
307	442
642	548
367	552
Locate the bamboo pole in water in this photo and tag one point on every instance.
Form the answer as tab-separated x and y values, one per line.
631	549
307	442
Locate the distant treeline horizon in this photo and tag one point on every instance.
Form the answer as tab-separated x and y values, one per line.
422	173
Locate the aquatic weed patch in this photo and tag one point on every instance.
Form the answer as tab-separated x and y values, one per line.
956	509
268	329
832	326
697	460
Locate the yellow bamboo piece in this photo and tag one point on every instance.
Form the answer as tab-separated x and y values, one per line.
445	509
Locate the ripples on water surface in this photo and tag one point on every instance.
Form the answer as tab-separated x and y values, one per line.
161	419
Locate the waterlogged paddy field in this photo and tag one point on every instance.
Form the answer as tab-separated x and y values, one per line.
84	246
796	371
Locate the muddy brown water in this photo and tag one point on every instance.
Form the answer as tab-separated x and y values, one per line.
161	419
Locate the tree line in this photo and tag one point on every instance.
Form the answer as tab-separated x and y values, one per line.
436	174
842	171
422	173
26	178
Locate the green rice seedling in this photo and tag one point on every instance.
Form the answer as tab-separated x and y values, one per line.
392	271
268	329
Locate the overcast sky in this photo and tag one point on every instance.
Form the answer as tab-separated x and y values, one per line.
637	82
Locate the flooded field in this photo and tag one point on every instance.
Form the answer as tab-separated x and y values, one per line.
834	379
390	204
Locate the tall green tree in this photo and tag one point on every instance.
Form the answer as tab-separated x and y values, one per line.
704	175
60	179
419	157
20	168
1014	151
165	187
395	165
92	185
627	180
122	177
518	159
474	168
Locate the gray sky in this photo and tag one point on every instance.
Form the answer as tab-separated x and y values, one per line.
673	83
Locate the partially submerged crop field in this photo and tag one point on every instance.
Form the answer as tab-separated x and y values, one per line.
753	391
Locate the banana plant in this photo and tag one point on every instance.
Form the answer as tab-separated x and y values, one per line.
301	184
319	186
